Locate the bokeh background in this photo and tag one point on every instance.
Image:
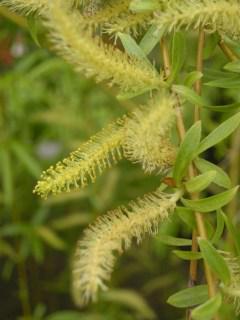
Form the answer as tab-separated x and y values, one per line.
46	111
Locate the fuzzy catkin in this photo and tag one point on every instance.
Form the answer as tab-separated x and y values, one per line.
147	134
26	6
95	58
213	15
112	233
82	166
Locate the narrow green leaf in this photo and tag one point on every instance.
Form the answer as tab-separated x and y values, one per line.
188	255
191	78
130	299
220	133
227	83
224	108
27	160
186	151
200	182
34	29
213	74
189	297
221	178
210	45
190	95
233	231
233	66
131	47
172	241
207	310
211	203
215	261
70	221
144	5
178	54
151	39
219	229
50	237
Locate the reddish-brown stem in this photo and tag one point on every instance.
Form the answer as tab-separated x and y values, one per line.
199	218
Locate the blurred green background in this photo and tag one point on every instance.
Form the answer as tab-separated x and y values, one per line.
46	111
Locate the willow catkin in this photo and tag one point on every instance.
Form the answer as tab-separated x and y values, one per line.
112	233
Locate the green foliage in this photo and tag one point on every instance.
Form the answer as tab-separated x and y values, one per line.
208	309
189	297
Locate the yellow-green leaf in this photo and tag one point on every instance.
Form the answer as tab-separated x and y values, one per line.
211	203
207	310
215	261
200	182
189	297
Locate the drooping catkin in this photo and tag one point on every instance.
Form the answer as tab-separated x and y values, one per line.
82	166
213	15
147	134
112	233
93	57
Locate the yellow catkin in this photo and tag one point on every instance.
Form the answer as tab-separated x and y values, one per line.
93	57
82	166
147	134
128	22
26	6
112	233
105	14
214	15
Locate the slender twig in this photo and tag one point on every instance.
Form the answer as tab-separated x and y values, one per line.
182	131
229	53
198	88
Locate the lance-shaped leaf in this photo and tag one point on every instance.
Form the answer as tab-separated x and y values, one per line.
132	47
150	39
227	83
232	231
211	203
221	178
188	255
178	55
207	310
219	229
191	96
200	182
233	66
186	151
189	297
172	241
215	261
220	133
